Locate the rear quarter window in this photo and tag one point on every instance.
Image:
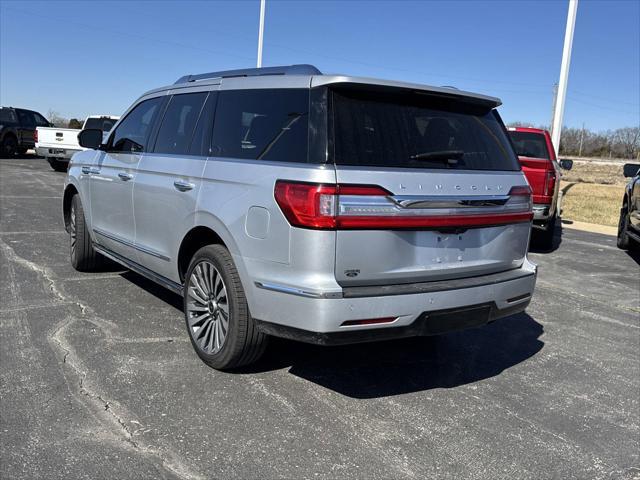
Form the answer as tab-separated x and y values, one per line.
409	130
264	124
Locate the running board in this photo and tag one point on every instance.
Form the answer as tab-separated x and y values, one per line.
145	272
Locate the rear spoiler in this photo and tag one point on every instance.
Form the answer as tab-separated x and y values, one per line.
372	84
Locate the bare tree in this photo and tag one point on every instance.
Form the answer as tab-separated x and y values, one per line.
57	120
627	142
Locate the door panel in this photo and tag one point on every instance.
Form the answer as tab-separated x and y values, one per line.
113	178
112	202
165	195
168	181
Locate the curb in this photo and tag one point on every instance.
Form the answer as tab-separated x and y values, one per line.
590	227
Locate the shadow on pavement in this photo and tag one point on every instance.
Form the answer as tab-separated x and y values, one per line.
635	256
24	156
382	369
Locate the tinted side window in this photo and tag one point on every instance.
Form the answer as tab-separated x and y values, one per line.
262	124
202	136
26	118
7	116
133	132
179	123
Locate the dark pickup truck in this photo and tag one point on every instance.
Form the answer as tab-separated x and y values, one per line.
17	130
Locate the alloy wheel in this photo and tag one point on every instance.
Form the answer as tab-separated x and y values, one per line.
73	233
207	308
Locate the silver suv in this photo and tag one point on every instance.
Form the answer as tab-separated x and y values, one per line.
322	208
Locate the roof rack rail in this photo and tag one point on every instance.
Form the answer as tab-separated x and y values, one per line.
301	69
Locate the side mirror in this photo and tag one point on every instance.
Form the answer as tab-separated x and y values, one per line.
90	138
566	164
631	169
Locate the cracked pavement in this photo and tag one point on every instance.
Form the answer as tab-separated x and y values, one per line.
98	378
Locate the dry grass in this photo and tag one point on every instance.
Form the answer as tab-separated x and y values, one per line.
592	172
592	203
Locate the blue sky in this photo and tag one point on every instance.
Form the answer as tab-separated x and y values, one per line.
81	58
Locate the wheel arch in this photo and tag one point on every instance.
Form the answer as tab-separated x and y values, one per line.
69	192
196	238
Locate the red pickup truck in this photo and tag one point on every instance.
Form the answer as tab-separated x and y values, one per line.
540	165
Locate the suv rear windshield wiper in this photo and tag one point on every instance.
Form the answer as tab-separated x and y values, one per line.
447	155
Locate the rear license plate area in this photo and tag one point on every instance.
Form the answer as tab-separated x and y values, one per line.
443	321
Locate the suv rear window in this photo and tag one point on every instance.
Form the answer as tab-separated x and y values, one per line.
412	130
530	144
262	125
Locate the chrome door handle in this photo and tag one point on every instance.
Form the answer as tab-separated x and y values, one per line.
89	170
125	176
183	186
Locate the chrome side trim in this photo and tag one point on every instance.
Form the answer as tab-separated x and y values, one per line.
140	248
452	201
145	272
297	291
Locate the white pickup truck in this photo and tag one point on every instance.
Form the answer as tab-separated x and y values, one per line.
58	145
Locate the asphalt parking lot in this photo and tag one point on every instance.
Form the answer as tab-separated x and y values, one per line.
98	378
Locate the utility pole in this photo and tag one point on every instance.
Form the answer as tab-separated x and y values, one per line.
558	113
553	107
581	138
261	33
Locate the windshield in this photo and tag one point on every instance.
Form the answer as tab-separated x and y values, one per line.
103	124
529	144
413	130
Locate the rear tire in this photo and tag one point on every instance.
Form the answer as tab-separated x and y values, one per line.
57	165
219	324
83	256
544	238
9	146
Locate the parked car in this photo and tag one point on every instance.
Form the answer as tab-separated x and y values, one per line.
17	130
629	224
540	165
327	209
58	145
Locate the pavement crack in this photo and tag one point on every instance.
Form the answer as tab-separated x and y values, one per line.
46	274
108	412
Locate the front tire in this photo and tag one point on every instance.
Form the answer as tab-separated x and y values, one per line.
624	241
217	316
83	256
57	165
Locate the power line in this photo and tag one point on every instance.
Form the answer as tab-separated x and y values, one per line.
573	99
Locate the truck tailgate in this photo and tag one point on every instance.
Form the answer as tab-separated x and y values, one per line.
66	138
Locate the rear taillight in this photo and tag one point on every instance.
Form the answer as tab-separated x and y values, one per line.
370	207
35	136
550	183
